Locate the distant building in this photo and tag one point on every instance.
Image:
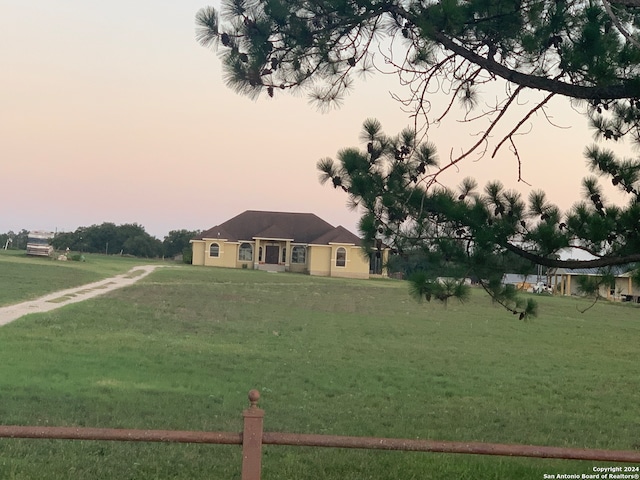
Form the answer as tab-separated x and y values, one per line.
565	280
38	243
282	241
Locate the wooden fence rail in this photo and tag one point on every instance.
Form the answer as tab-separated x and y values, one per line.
252	438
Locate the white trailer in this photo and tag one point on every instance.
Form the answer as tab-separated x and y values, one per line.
38	243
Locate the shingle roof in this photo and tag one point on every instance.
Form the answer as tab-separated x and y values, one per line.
299	227
615	270
216	232
337	235
274	231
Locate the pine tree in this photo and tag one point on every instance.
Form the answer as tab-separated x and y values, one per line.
585	51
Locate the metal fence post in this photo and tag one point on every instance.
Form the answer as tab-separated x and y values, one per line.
252	438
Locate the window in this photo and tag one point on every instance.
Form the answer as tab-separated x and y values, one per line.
341	257
284	255
214	250
245	254
298	254
260	254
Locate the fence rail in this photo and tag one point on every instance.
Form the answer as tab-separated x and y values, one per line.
473	448
120	435
252	438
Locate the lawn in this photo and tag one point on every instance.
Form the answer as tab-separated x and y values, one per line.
181	348
24	278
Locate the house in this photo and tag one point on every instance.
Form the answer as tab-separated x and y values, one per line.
291	242
623	288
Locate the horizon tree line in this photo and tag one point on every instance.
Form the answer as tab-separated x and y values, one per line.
111	239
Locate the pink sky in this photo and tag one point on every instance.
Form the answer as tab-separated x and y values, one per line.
111	112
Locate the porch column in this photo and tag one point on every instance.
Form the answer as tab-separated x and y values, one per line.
568	285
287	254
256	261
385	259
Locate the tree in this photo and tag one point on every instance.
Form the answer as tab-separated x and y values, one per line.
586	51
12	240
177	241
143	245
64	240
128	238
20	239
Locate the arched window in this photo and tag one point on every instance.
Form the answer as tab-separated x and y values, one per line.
245	253
341	257
214	250
298	254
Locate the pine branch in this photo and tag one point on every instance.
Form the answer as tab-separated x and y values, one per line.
625	89
605	261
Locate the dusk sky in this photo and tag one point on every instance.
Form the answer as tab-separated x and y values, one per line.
112	112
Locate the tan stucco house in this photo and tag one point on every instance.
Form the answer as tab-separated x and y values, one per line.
624	288
282	241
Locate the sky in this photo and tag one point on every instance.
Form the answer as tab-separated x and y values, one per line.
112	112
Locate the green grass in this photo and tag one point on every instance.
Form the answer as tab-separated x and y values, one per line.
25	278
181	348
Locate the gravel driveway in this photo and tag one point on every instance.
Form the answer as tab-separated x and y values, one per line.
72	295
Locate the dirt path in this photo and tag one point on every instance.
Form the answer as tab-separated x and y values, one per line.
72	295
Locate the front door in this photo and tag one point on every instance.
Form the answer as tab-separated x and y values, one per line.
272	253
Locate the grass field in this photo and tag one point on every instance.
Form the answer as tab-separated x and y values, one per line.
181	348
25	278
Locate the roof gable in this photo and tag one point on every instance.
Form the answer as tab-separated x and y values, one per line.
298	227
274	231
217	232
338	235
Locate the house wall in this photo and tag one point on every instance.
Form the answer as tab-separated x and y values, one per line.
568	285
357	264
228	255
571	286
603	291
298	267
322	261
227	258
197	250
635	289
319	260
625	286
